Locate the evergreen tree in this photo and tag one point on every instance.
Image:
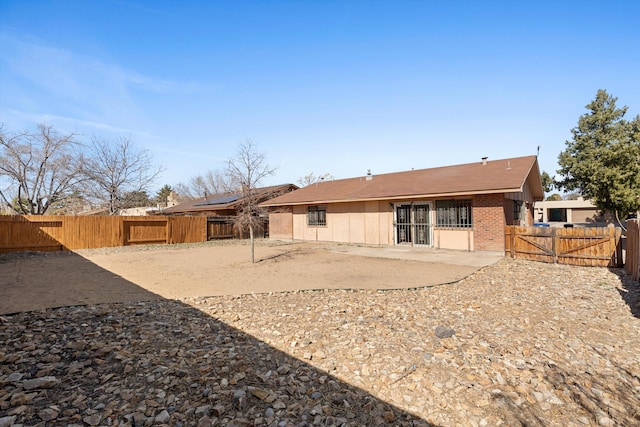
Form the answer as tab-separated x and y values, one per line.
602	161
163	194
548	183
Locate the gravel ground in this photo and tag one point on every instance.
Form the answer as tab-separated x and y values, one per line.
517	343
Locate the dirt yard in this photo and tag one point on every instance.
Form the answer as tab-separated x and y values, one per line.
142	273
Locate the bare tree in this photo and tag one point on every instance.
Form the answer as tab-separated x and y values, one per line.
244	172
70	204
38	169
213	182
312	179
117	169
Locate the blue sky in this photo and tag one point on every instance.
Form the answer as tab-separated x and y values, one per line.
334	87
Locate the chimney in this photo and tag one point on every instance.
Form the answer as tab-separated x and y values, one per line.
369	177
484	160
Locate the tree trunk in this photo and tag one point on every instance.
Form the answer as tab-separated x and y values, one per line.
251	240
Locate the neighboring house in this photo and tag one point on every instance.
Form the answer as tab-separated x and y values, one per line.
455	207
151	210
94	211
139	211
225	204
580	212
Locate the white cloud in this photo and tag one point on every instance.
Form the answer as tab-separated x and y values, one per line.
65	124
43	82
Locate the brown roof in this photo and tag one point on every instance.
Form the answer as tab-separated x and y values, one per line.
225	200
496	176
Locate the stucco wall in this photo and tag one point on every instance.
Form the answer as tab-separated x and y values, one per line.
281	225
586	215
357	222
446	238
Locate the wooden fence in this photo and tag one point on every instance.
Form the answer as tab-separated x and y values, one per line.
588	246
222	227
632	258
56	233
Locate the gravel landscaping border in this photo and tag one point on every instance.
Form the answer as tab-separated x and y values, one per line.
517	343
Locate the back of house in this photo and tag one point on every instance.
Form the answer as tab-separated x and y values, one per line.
463	207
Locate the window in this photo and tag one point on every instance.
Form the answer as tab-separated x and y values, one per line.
317	216
517	211
454	213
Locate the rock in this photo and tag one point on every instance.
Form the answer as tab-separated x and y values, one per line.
7	421
605	421
389	417
22	398
14	377
48	414
163	417
444	331
17	410
43	382
279	404
205	422
528	338
259	393
92	420
204	409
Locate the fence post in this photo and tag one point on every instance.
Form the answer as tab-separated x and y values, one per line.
121	229
554	238
617	241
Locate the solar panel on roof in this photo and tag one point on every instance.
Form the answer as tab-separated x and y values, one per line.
220	200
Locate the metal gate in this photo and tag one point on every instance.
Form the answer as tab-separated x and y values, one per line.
413	224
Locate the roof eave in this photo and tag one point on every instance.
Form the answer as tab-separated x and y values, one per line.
404	197
537	195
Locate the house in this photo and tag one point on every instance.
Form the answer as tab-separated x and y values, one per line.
579	212
462	207
224	204
221	211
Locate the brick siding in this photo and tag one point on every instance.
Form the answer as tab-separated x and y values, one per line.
488	222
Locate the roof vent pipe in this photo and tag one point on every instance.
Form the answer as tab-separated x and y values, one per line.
484	160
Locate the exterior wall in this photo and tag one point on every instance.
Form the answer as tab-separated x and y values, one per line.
530	218
570	211
586	215
281	225
371	223
368	223
208	213
447	238
141	211
527	213
489	222
357	223
508	212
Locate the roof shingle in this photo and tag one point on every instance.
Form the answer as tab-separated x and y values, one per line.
496	176
224	201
